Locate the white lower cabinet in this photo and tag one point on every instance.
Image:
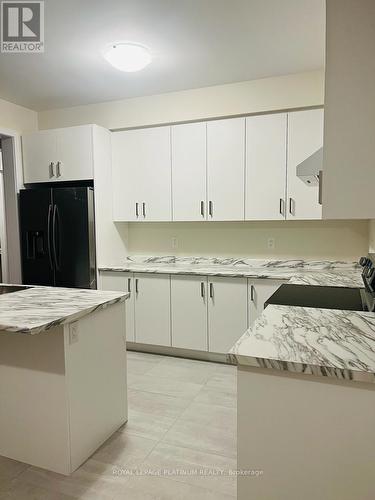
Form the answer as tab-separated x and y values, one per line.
122	282
152	315
227	312
259	291
189	312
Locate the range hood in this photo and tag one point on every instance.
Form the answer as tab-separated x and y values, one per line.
308	170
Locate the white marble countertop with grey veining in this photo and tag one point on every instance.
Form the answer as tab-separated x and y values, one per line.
38	309
322	342
300	271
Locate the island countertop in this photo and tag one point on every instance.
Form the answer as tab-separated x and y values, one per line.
37	309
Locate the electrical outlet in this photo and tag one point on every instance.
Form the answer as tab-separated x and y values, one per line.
73	333
271	243
174	243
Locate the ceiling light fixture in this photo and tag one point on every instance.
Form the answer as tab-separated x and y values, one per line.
129	57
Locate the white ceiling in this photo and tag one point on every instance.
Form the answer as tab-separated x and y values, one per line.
195	43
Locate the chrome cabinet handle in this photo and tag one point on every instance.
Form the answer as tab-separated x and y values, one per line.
136	285
211	291
51	167
58	169
291	206
252	289
202	290
202	208
282	207
129	285
320	197
136	210
210	208
144	209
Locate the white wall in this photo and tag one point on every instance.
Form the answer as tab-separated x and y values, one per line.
17	118
268	94
346	240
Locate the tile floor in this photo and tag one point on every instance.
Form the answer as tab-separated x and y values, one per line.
182	417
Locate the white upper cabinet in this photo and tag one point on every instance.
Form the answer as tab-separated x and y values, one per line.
265	167
141	173
55	155
226	169
189	172
305	137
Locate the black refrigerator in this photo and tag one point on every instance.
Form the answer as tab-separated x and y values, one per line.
58	237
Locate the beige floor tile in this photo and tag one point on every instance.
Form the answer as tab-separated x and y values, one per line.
184	370
224	379
139	363
147	425
10	468
201	469
215	396
164	385
208	415
158	405
161	488
124	449
24	491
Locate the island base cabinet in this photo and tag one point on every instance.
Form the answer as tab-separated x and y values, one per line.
189	312
63	391
152	309
304	437
122	282
227	312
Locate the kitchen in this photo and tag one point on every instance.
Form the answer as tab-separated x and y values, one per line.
187	226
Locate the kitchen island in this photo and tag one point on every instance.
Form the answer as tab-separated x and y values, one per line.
62	374
306	403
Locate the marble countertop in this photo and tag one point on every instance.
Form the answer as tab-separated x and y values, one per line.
300	271
323	342
37	309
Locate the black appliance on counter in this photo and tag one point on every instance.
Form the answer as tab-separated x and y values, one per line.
331	297
58	236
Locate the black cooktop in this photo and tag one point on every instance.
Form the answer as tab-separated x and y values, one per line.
11	288
323	297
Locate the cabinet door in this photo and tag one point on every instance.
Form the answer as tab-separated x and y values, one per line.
226	169
122	282
227	312
152	309
305	137
142	175
265	167
39	151
189	172
75	153
259	291
189	312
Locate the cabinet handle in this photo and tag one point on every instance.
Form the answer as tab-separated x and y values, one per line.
211	291
282	207
129	285
202	290
136	285
51	167
136	210
252	293
320	198
58	169
210	208
144	209
291	206
202	208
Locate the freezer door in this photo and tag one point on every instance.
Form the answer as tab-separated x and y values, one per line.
36	245
73	239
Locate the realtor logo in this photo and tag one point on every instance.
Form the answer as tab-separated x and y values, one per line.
22	27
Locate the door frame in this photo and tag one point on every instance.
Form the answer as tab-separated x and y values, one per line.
13	181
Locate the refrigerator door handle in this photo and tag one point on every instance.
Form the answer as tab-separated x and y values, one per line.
54	234
49	236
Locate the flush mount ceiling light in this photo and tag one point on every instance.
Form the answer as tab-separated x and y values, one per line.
129	57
